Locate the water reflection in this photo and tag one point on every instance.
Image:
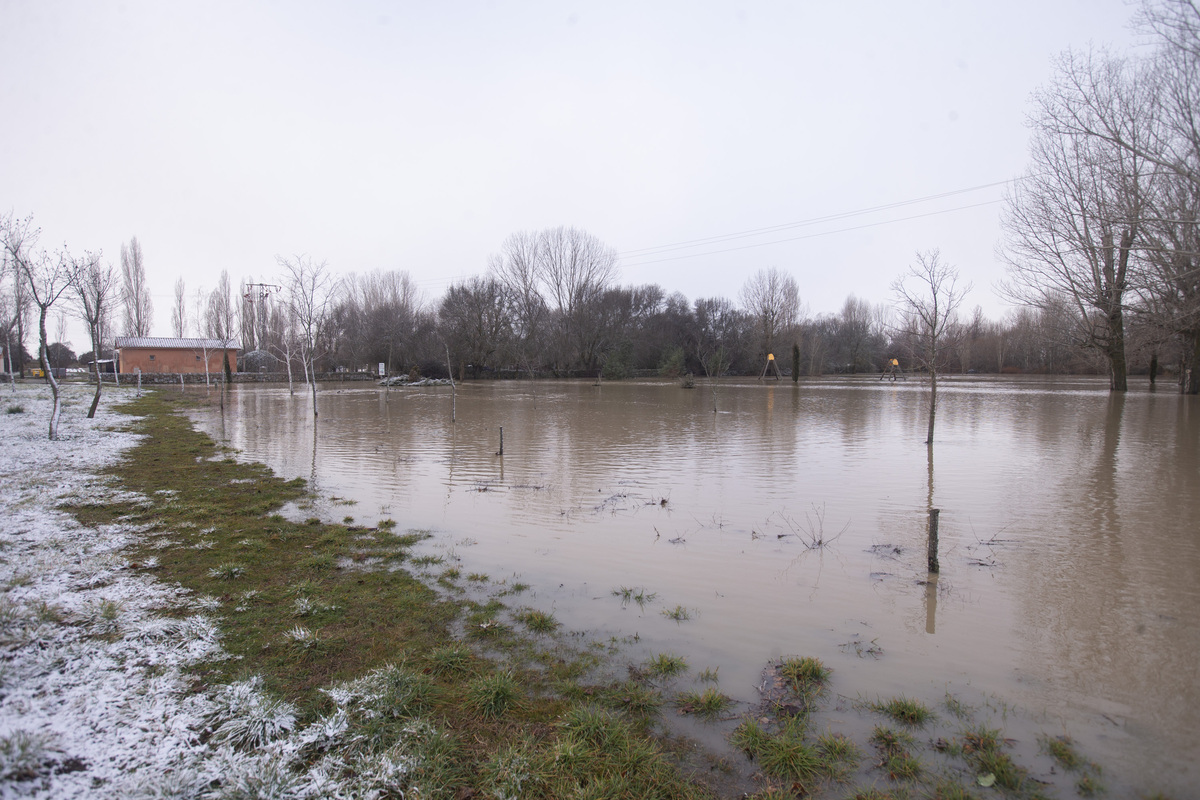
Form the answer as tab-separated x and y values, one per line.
1070	561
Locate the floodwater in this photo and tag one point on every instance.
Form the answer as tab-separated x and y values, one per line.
1069	594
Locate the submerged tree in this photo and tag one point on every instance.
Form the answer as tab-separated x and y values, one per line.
310	289
927	296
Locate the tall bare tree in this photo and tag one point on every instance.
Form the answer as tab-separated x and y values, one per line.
772	298
135	293
575	268
48	278
200	322
310	288
14	309
927	297
179	310
1073	223
95	285
516	266
222	323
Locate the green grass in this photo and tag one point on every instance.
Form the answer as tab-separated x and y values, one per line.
493	694
665	665
1062	750
904	710
787	755
896	758
639	596
1089	786
678	613
804	672
708	704
957	708
537	621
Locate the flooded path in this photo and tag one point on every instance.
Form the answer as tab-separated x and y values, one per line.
1070	531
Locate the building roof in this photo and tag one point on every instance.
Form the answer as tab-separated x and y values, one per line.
164	343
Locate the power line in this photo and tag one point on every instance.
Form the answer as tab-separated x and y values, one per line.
814	235
646	251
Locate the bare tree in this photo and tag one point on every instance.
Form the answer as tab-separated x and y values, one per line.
222	323
927	296
179	310
95	286
475	322
282	338
772	298
135	294
1072	224
517	268
200	321
576	268
47	278
310	289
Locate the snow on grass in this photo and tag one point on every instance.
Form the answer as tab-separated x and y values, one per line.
94	699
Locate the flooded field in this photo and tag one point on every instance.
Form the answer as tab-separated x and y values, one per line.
793	522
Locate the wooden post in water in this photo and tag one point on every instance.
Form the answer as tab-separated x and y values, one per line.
453	389
181	382
501	441
933	539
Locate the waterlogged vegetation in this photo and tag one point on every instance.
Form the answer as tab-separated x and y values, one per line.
389	684
348	667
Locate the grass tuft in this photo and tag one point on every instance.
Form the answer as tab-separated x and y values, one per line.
707	705
537	621
678	613
904	710
492	695
227	572
665	665
805	672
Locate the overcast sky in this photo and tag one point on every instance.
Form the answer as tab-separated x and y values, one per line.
418	136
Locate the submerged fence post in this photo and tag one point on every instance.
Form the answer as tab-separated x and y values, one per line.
933	539
501	441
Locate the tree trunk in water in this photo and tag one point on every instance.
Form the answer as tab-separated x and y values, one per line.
1118	369
312	369
1189	380
932	404
1153	368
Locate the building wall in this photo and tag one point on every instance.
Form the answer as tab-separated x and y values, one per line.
174	360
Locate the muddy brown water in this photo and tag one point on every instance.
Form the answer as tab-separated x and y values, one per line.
1069	594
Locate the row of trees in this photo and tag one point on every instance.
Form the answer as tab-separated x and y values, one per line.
549	304
1103	232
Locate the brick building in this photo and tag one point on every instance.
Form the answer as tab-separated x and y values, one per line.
151	354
